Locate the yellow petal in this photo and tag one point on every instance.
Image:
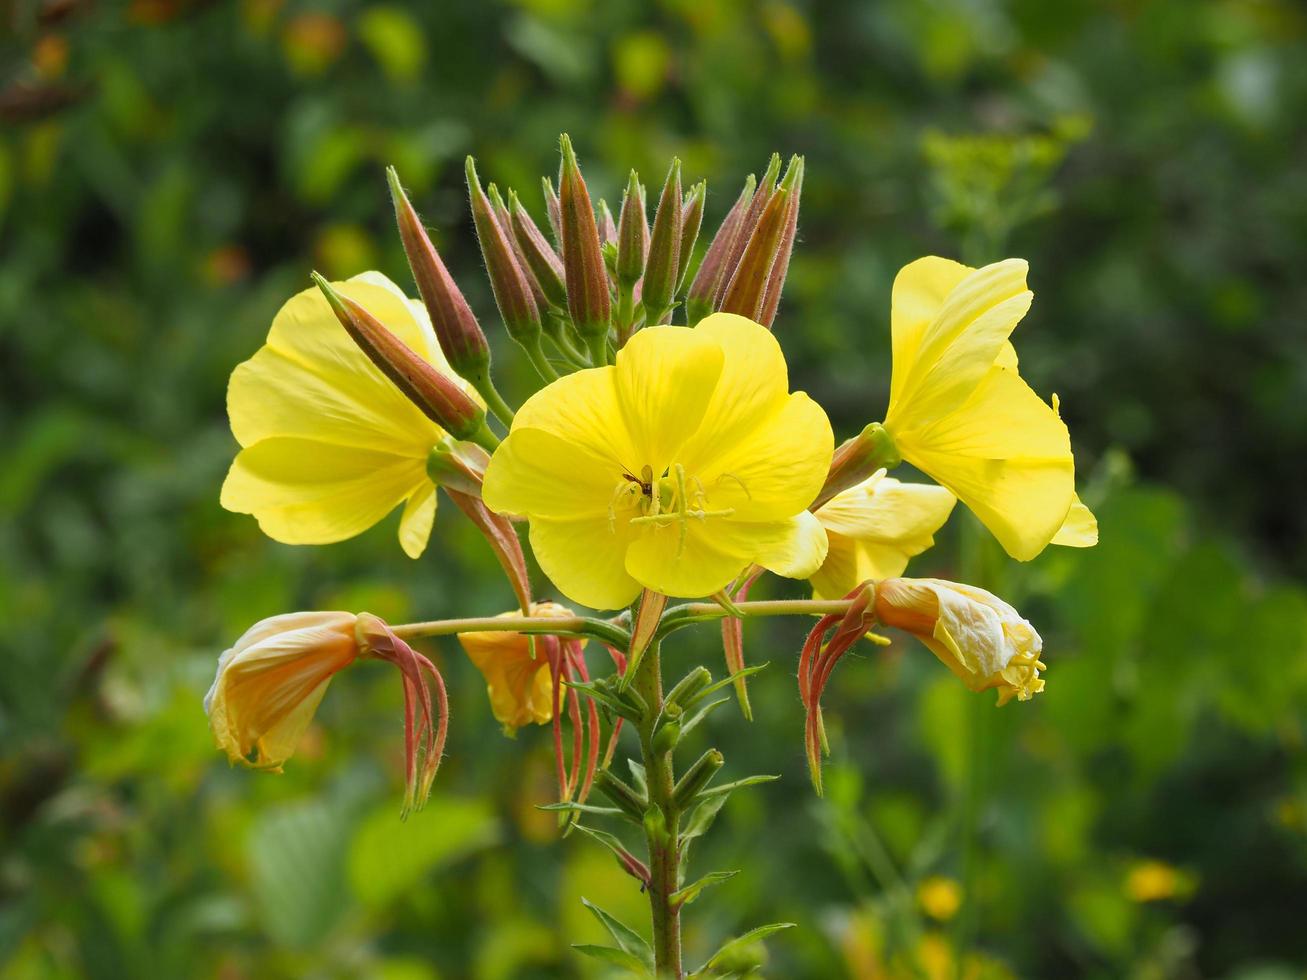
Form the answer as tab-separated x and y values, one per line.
415	523
535	472
585	558
665	378
919	292
1079	530
1007	456
840	572
306	492
583	410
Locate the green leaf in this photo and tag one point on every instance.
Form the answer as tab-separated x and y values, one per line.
724	682
605	697
620	851
602	811
630	941
617	957
734	955
702	816
701	714
726	788
689	893
297	869
638	777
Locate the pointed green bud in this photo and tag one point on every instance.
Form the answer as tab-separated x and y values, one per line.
512	291
553	210
696	778
452	319
691	220
780	268
763	196
439	396
702	298
857	459
588	299
662	266
538	254
632	234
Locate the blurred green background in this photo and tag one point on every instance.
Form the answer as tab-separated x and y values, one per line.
169	174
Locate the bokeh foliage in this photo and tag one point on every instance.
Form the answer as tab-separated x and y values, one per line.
170	172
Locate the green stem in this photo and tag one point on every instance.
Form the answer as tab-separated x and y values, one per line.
486	439
536	355
662	824
703	612
598	346
552	625
494	400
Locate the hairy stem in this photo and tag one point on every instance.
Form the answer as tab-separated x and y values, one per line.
662	823
702	612
552	625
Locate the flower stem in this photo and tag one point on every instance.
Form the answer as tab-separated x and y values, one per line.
661	824
494	400
703	612
552	625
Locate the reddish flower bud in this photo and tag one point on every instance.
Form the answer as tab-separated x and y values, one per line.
506	224
703	290
763	196
771	300
509	283
455	325
691	220
437	395
538	254
607	227
554	210
748	285
663	263
632	234
583	262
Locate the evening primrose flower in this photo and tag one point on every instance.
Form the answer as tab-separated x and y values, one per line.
270	681
874	528
674	470
329	445
516	670
960	412
974	633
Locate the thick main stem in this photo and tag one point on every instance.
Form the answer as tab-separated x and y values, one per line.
662	823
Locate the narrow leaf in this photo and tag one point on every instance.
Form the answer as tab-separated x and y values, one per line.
689	893
617	957
740	944
726	788
627	938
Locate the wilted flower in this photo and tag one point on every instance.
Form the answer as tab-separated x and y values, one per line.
270	682
874	529
330	444
974	633
516	671
674	470
960	411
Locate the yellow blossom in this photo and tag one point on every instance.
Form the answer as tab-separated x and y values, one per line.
960	411
939	897
270	682
974	633
329	445
874	528
674	470
516	671
1154	881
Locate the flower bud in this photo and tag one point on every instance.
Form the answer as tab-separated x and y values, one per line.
748	286
781	266
538	254
587	279
977	635
506	225
509	283
696	778
857	460
455	325
553	210
761	198
663	263
438	396
702	298
632	234
270	681
607	226
691	220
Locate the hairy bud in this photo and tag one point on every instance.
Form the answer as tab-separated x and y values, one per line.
662	267
583	262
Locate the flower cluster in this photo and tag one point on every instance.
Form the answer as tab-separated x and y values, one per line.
656	460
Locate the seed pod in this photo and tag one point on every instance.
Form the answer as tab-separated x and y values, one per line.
688	686
632	234
691	219
438	396
780	268
696	778
703	290
512	292
539	255
583	262
622	796
663	264
452	319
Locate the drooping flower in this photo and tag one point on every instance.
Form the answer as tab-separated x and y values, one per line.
329	445
960	411
516	671
674	470
974	633
874	528
269	684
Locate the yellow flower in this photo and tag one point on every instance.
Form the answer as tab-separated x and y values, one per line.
516	671
960	412
1151	880
270	682
330	445
974	633
939	897
674	470
874	528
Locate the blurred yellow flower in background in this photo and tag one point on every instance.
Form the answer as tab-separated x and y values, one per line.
960	411
874	528
939	897
674	470
329	445
270	681
516	671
